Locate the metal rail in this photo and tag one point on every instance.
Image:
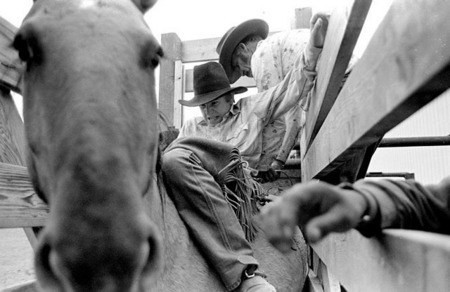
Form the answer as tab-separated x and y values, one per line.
415	141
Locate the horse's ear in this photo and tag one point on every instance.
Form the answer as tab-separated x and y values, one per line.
144	5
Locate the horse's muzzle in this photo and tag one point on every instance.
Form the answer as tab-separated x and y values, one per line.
76	264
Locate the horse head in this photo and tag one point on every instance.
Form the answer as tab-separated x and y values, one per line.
90	118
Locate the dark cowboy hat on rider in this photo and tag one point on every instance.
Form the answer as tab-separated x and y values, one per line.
233	37
210	83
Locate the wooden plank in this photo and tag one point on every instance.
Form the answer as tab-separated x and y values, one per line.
171	44
397	75
398	260
189	81
344	28
20	206
11	68
200	50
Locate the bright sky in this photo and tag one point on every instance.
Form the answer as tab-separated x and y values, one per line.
197	19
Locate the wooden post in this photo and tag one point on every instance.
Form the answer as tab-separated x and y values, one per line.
171	44
178	94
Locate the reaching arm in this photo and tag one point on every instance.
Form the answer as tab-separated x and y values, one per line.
407	204
320	208
297	83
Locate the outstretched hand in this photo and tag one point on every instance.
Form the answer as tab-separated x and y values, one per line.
319	27
317	207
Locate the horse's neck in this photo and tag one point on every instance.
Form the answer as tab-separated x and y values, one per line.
185	269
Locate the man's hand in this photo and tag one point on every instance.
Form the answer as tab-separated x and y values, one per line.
272	173
317	207
319	27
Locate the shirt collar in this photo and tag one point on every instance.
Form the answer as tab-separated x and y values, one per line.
234	110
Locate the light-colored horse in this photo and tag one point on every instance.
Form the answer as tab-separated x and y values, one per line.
91	123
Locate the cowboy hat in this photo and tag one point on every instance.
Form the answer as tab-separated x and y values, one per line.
210	82
231	40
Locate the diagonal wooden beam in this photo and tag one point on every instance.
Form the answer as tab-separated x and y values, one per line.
405	66
344	28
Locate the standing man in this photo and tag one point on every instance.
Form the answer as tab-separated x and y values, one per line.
247	50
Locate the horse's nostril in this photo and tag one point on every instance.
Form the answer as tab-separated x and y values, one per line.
155	258
44	271
44	256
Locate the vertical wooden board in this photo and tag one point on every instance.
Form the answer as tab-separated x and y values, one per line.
344	28
171	45
400	71
179	93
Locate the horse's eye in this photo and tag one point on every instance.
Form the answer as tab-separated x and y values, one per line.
155	62
28	49
156	59
151	55
22	47
160	52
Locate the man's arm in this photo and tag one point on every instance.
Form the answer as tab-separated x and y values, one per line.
320	208
295	86
407	204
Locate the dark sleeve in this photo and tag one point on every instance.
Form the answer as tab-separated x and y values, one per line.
407	204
